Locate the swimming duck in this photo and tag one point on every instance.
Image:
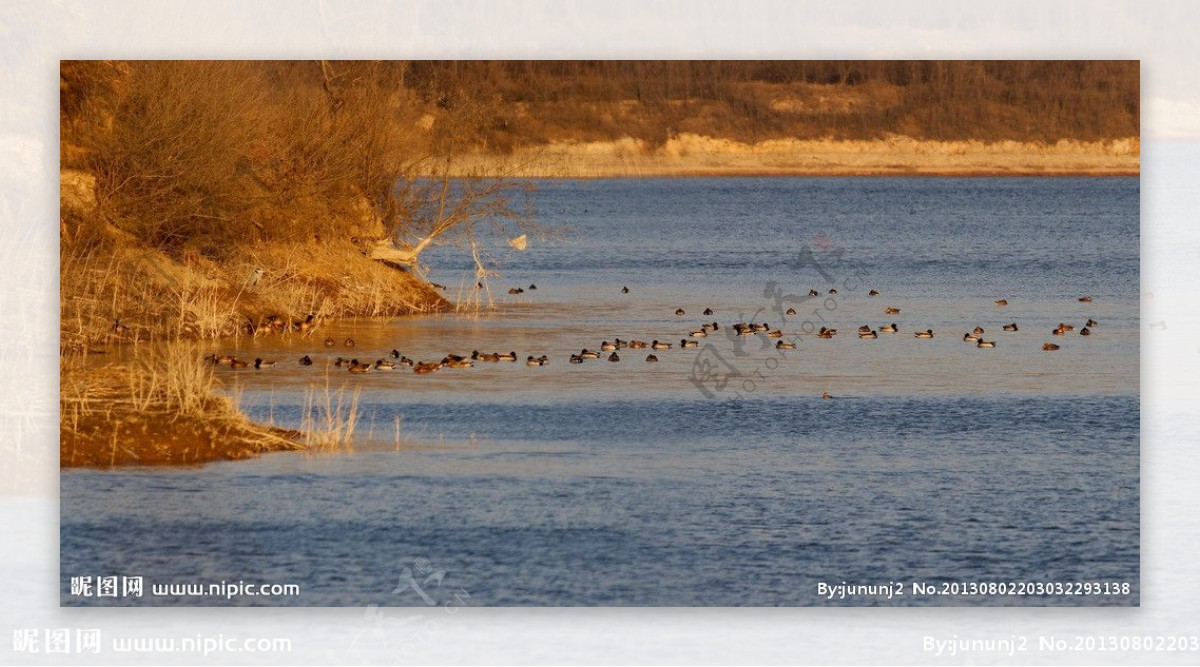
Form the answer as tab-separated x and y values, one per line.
970	338
384	364
679	311
395	353
869	334
864	328
1049	347
405	361
826	333
543	360
621	344
624	290
1001	302
220	358
532	287
425	367
515	290
356	367
660	346
888	328
833	291
588	354
530	361
614	357
511	356
1085	299
118	328
234	362
308	323
873	293
890	310
1059	331
985	343
349	342
330	342
784	345
708	311
576	359
1091	323
457	363
1066	327
978	331
638	344
685	343
339	362
928	333
1085	332
606	346
260	364
699	333
761	327
825	395
791	311
651	358
813	292
778	333
1011	327
306	360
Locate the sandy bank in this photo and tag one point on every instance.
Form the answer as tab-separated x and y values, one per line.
693	155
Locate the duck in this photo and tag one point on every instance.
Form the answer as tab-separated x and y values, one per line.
1059	331
978	331
638	344
1085	332
826	333
1049	347
1085	299
685	343
576	359
826	395
1011	327
330	342
1066	327
543	360
532	287
833	291
708	311
699	333
356	367
234	362
660	346
306	360
588	354
985	343
531	361
511	356
791	311
679	311
339	362
873	292
606	346
970	338
614	357
761	327
405	361
457	363
385	364
1091	323
813	292
118	328
778	333
349	342
869	335
889	328
624	290
1001	302
260	363
891	310
784	345
396	353
743	329
308	323
651	358
864	328
216	359
515	290
621	344
928	333
425	367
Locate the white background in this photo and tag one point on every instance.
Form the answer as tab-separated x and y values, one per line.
35	34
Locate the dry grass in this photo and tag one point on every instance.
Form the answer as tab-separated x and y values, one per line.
329	417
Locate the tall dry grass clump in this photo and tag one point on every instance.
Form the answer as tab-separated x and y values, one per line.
329	417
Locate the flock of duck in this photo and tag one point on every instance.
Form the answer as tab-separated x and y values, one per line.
607	350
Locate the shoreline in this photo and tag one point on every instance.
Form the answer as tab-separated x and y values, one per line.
694	156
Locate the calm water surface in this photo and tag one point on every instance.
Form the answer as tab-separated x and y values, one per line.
717	476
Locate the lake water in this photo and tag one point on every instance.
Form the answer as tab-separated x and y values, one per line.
718	476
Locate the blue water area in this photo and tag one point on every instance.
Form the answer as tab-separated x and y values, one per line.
652	484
